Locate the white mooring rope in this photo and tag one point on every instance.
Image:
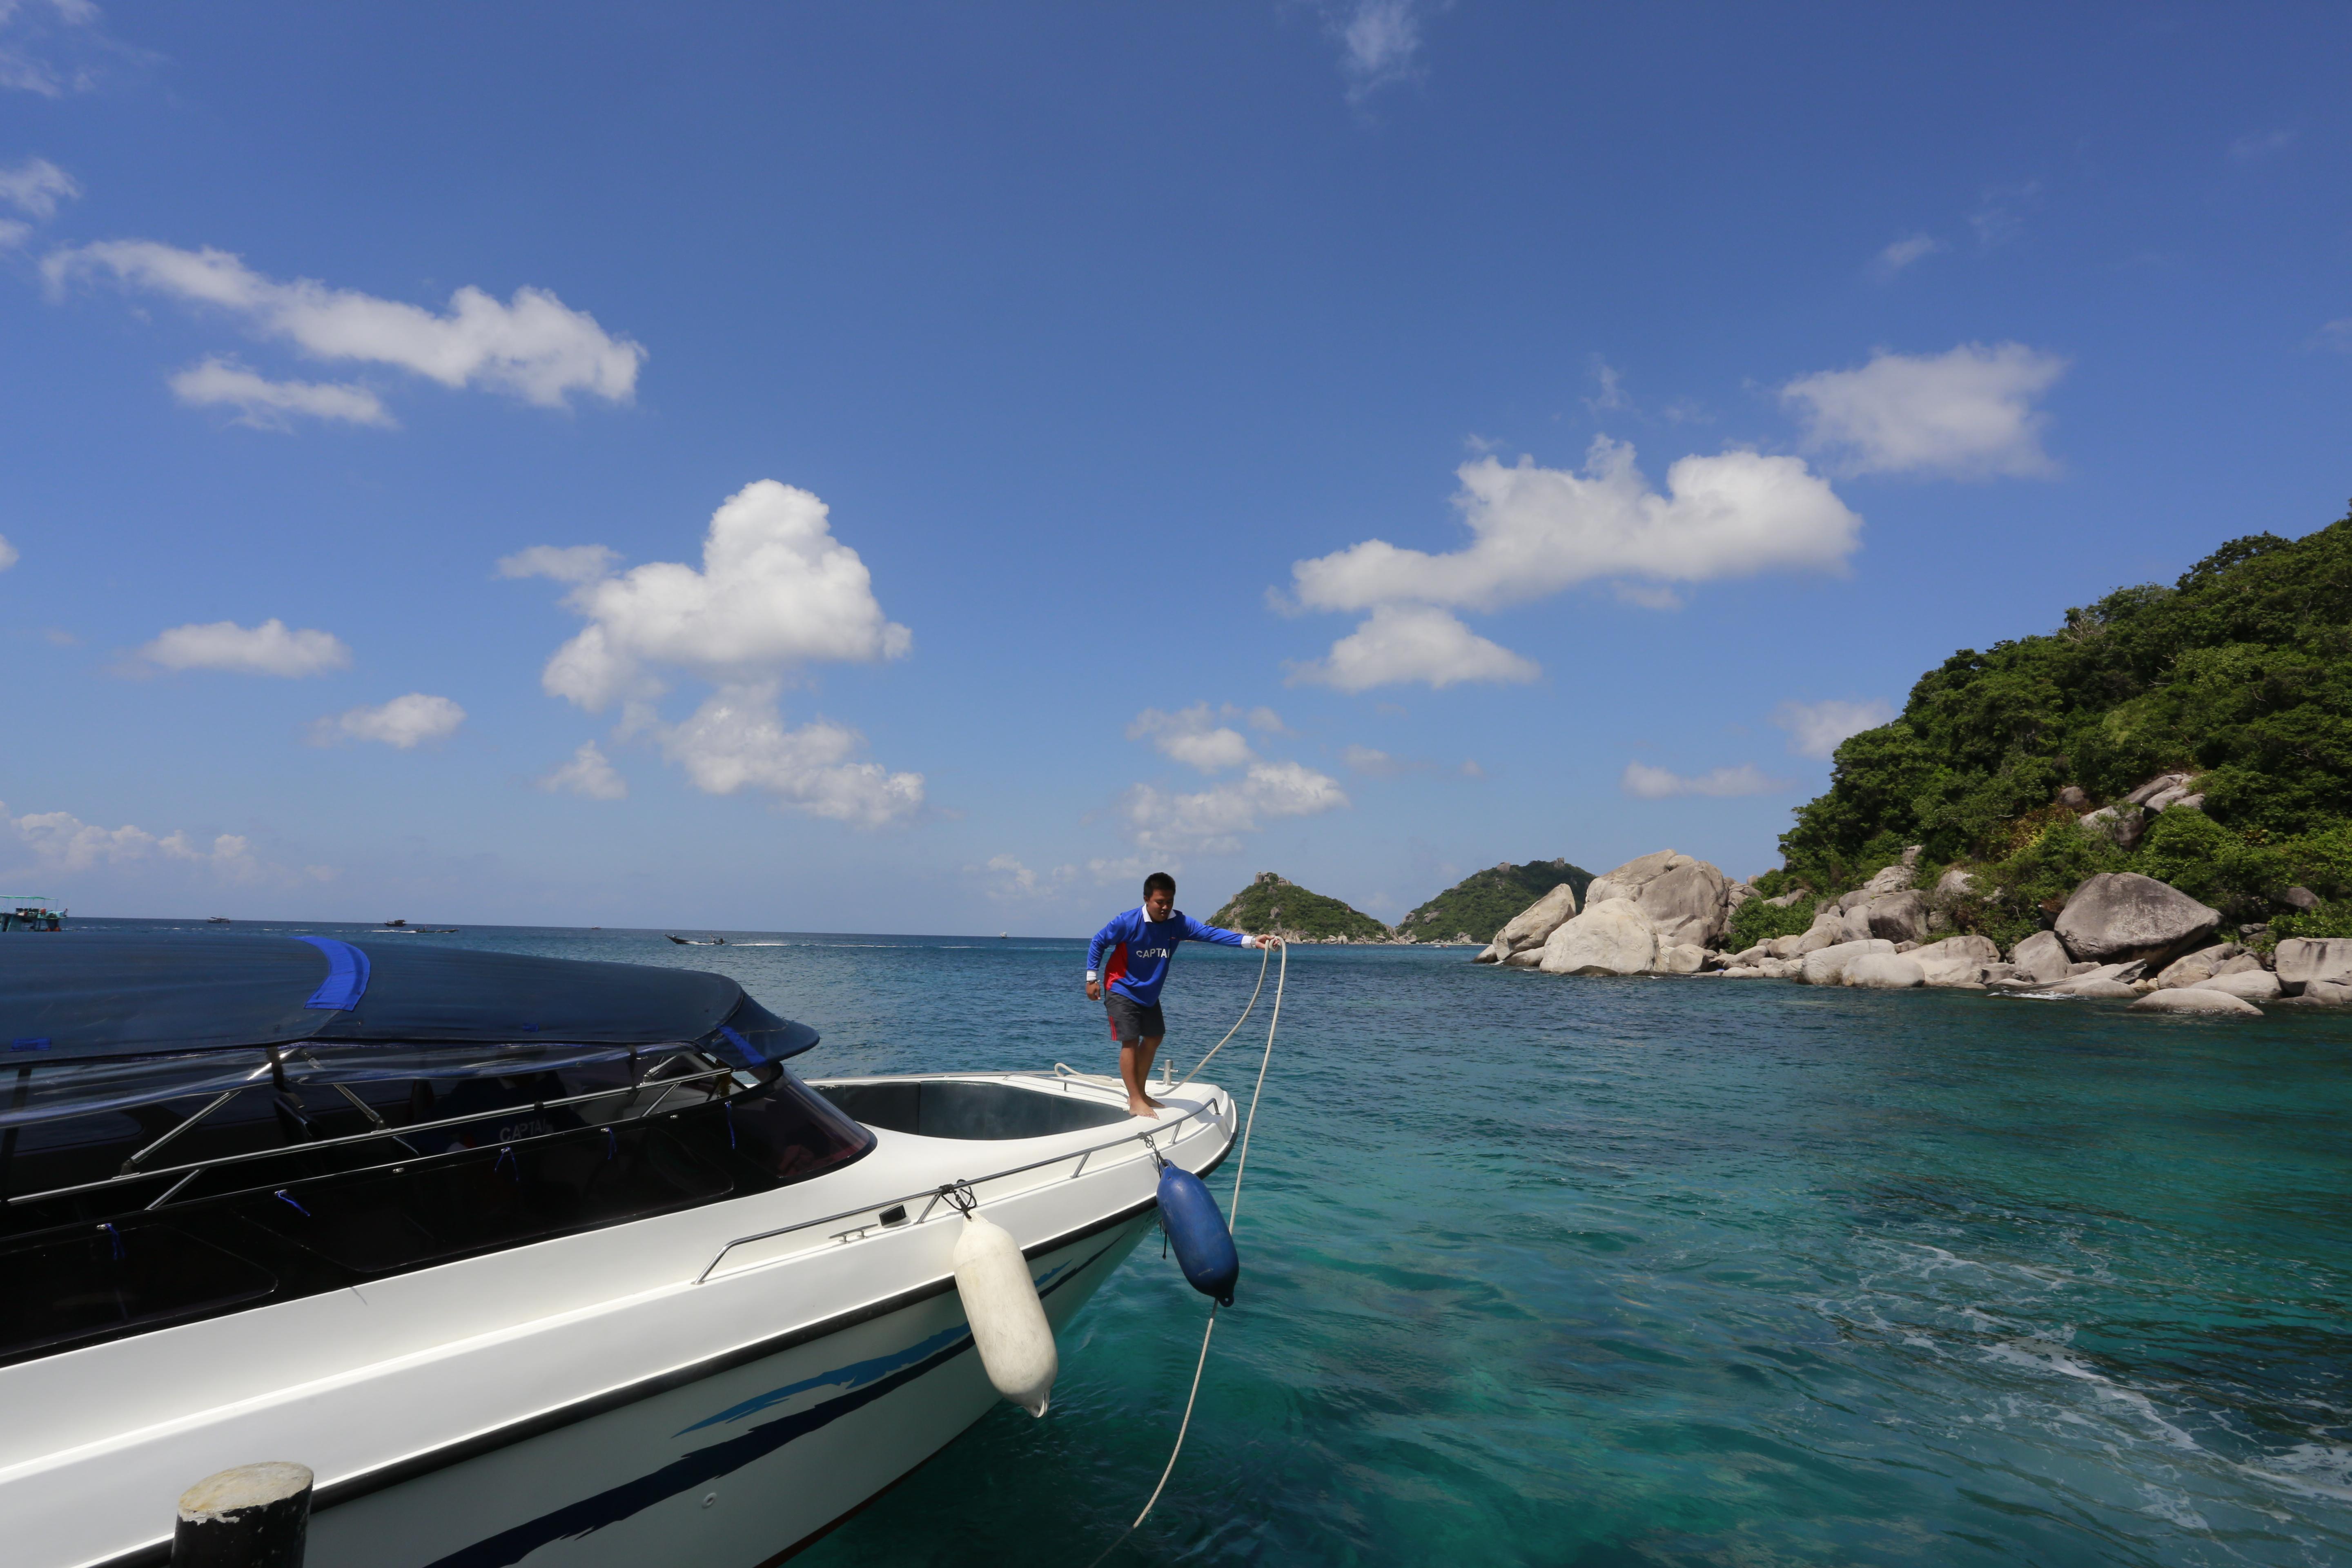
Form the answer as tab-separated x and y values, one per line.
1241	1169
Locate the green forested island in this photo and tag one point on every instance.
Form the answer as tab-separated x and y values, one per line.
1272	904
1479	905
2017	764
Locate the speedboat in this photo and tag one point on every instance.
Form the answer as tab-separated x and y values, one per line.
530	1260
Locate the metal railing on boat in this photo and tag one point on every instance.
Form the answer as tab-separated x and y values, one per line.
189	1172
1213	1108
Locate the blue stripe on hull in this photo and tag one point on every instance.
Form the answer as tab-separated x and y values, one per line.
609	1507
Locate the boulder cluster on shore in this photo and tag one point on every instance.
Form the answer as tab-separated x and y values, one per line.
2120	936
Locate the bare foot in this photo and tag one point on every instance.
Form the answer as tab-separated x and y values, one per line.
1149	1109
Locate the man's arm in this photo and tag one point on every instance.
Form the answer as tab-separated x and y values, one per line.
1113	931
1194	930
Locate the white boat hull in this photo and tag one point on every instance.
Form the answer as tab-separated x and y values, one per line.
710	1387
739	1467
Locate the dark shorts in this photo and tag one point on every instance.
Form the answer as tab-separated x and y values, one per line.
1131	1022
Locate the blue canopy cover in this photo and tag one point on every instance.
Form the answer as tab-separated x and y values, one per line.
87	995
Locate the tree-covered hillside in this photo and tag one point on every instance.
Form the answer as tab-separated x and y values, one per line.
1483	903
1270	904
2239	674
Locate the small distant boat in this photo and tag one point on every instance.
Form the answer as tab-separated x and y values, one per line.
29	911
700	940
1004	936
217	921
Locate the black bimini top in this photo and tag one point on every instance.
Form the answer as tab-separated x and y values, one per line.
88	997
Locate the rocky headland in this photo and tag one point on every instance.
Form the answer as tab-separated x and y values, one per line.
2152	804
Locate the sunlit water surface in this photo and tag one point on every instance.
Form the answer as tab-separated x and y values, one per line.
1594	1272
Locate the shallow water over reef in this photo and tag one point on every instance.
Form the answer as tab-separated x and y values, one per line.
1556	1271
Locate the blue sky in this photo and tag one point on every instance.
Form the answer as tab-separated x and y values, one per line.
907	467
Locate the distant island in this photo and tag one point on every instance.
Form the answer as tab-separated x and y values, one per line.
1471	911
1474	908
1273	905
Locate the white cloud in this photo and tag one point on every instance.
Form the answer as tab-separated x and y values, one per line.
1904	252
1194	737
1816	728
587	774
1470	770
1009	878
1372	763
1645	783
403	723
2259	145
564	564
776	590
1613	392
1131	869
1212	821
267	404
13	235
38	25
1267	721
533	345
1966	414
269	649
2001	217
34	187
8	554
1399	643
738	739
1378	40
2337	335
61	842
1538	530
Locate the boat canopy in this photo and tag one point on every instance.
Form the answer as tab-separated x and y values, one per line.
107	996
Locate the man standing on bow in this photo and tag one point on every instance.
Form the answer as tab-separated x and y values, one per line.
1139	944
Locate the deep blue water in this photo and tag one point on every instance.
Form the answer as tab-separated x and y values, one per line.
1556	1271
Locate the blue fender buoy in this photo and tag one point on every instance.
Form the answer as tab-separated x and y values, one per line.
1197	1231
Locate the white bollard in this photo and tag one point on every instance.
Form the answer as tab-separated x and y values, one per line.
1008	1320
255	1516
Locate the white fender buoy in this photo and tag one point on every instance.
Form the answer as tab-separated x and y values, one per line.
1008	1322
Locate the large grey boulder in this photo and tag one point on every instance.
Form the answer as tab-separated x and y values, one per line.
1825	932
1610	937
1684	958
1898	917
2162	784
1957	960
1826	966
2196	999
2304	959
2041	958
1784	900
1526	958
2197	966
1685	899
2121	822
2256	985
2121	914
1952	886
2092	986
2072	798
2303	901
1885	972
1531	925
2091	981
2325	993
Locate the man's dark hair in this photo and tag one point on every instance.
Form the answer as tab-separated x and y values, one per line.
1159	879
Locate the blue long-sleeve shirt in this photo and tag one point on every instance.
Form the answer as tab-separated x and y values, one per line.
1139	950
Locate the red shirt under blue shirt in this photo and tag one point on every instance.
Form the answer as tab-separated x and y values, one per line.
1139	950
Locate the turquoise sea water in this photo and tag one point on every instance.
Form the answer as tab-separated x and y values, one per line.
1554	1272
